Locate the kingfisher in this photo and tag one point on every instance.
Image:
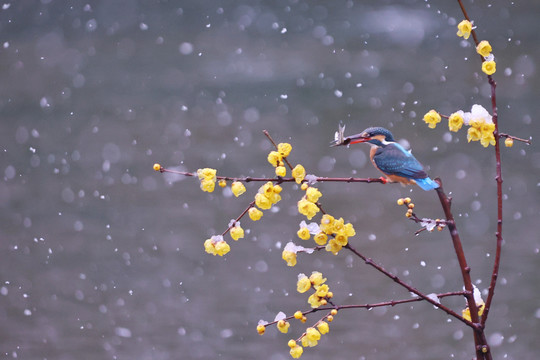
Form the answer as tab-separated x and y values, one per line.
389	157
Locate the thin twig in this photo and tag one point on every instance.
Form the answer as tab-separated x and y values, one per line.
390	303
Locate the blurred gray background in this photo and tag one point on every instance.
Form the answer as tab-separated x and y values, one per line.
103	258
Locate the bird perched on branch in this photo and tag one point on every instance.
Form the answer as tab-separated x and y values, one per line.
396	163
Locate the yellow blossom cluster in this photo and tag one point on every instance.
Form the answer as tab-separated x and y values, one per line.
322	292
338	229
428	224
312	335
276	158
410	205
320	296
207	177
216	246
488	65
308	204
268	195
483	48
481	126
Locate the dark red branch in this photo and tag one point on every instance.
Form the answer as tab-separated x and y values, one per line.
280	179
499	180
411	289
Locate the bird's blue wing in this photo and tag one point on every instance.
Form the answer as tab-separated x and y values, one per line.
393	159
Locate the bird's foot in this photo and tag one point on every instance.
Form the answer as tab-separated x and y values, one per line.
383	179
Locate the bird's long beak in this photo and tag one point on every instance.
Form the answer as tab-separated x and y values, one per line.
358	138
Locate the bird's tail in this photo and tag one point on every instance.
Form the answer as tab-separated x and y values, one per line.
427	184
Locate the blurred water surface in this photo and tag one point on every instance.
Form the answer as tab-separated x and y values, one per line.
102	258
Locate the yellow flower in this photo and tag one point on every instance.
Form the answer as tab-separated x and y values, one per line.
473	134
466	313
400	201
222	183
298	173
315	301
339	225
262	201
267	189
222	248
487	128
323	327
157	167
333	246
313	194
303	233
274	158
487	139
291	343
508	142
455	121
289	257
237	232
349	230
274	197
209	247
321	238
464	29
322	290
304	186
281	171
307	208
298	315
432	118
341	239
207	185
303	285
238	188
255	214
208	179
284	149
207	174
283	326
270	192
316	278
327	224
489	67
487	134
483	48
311	337
296	351
261	329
